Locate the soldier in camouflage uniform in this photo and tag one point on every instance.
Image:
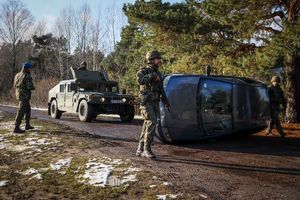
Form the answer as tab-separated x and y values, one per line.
23	84
276	99
149	79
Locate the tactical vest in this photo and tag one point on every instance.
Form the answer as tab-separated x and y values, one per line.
149	92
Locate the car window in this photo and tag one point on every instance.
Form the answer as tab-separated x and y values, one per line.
61	88
216	104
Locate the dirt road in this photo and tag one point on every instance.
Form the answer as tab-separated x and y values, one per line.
253	167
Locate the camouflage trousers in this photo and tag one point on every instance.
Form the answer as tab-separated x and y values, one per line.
24	109
150	112
275	121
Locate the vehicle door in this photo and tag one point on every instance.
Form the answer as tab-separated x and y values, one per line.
61	96
216	107
69	97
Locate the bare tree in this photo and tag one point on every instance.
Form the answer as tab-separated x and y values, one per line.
64	26
115	21
15	21
82	28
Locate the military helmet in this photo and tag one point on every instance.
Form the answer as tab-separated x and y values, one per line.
275	79
27	65
83	63
151	55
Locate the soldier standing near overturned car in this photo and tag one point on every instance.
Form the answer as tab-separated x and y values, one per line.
149	79
23	84
276	99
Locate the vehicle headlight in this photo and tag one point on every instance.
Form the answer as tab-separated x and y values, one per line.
124	100
102	99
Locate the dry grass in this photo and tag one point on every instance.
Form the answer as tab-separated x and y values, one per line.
39	96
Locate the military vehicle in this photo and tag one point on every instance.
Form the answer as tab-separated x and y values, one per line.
211	106
88	94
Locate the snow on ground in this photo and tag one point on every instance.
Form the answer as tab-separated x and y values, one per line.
3	183
33	173
168	196
61	163
100	173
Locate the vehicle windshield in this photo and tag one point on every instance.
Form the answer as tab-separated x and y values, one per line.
85	86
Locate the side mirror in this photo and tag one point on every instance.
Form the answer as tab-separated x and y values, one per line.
73	86
124	91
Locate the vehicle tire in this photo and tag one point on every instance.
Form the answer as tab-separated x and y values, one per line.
162	136
85	111
128	115
54	112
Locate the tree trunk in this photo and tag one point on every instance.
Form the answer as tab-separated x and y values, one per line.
292	71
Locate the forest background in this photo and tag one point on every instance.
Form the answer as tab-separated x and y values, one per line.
255	39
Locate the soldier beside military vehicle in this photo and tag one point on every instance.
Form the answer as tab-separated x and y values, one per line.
149	79
24	85
150	92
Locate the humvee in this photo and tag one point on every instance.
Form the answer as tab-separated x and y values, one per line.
88	94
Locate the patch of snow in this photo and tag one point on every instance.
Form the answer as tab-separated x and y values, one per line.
167	183
3	183
129	178
34	172
30	171
165	196
132	169
117	162
153	186
61	163
154	177
97	173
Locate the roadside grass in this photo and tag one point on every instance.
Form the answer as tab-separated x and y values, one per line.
27	172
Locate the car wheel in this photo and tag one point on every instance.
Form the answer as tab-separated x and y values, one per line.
128	115
85	112
54	112
162	135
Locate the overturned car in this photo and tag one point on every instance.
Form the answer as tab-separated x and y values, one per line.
211	106
88	94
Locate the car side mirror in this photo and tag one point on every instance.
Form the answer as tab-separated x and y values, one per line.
124	91
73	87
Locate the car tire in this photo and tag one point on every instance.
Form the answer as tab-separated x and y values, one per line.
162	136
128	115
54	112
85	112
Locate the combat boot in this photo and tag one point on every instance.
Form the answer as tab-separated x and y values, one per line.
268	132
149	154
18	130
27	127
139	153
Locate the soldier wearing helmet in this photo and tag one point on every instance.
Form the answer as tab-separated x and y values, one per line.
149	78
83	66
23	84
276	99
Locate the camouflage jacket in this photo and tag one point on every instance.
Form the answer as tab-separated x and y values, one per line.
23	84
276	98
149	87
